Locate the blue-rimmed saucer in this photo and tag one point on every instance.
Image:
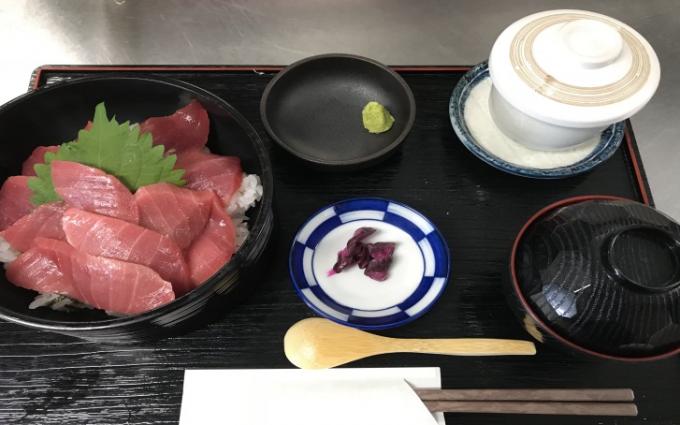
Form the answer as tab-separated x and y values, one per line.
417	276
610	138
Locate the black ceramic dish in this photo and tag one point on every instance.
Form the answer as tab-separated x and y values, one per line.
600	275
54	115
313	109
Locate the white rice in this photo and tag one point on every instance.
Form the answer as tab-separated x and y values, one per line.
56	302
7	253
248	194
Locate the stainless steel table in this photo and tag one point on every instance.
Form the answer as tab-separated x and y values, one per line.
279	32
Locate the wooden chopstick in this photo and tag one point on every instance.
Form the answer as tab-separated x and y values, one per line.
587	401
534	407
586	394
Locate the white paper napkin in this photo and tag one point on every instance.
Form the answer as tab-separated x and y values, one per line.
306	397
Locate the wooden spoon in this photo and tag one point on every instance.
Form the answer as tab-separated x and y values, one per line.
318	343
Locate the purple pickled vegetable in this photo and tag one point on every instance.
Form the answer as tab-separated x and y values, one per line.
355	251
345	259
381	250
375	258
361	233
381	258
377	269
363	256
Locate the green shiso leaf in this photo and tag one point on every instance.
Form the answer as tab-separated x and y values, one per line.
41	185
116	148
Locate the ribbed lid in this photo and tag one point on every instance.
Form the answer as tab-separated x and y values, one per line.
605	275
574	68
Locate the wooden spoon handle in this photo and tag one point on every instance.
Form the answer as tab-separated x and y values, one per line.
466	346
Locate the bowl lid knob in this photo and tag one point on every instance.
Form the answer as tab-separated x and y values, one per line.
589	43
645	257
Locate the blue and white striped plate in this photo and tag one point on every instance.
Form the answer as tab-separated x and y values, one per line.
417	276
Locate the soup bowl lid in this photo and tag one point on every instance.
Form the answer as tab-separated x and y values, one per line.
603	275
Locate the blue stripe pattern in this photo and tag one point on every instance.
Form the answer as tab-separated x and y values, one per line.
404	225
321	295
322	231
396	315
419	293
362	204
372	322
441	268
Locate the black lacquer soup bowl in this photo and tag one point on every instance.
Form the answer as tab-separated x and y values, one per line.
601	276
54	115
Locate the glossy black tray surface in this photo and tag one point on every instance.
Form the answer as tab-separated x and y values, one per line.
54	379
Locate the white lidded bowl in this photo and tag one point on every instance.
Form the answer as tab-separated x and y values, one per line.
561	77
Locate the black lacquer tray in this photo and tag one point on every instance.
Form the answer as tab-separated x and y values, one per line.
53	379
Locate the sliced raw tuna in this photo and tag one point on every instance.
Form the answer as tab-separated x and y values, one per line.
112	285
120	287
113	238
178	213
44	221
39	269
37	157
93	190
206	171
214	247
15	200
185	129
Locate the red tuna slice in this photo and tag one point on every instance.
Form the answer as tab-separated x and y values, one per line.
178	213
214	247
15	200
44	221
206	171
185	129
110	237
120	287
37	157
116	286
39	268
91	189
